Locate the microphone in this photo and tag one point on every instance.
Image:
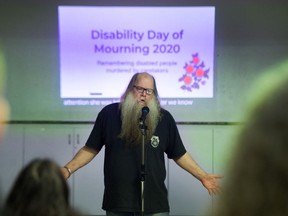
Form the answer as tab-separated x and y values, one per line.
145	111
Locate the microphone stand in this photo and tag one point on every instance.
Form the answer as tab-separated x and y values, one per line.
143	128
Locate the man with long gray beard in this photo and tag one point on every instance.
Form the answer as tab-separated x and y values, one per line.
117	127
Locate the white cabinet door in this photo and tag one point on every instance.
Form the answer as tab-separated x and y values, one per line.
89	180
11	158
61	143
224	143
187	196
55	142
48	141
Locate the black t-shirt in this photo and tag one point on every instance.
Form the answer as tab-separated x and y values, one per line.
122	165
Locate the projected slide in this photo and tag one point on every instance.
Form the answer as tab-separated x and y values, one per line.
102	47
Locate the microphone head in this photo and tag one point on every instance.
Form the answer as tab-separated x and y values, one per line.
145	110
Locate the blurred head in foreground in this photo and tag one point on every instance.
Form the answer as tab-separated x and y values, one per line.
257	178
40	189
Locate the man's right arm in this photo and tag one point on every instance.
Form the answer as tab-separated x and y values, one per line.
83	157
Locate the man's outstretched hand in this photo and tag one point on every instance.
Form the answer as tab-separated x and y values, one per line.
211	183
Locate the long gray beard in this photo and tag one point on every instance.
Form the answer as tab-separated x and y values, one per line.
131	113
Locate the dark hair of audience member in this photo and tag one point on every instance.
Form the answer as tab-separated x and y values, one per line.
39	189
